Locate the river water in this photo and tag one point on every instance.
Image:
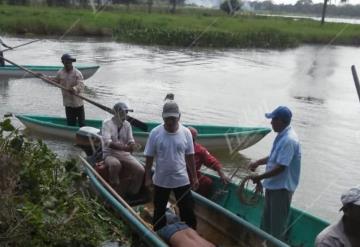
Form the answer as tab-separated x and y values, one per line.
224	87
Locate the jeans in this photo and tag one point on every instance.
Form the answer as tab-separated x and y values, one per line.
185	203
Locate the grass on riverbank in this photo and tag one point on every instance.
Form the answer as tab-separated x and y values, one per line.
47	202
187	28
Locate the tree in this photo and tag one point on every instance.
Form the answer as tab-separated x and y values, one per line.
230	6
324	12
304	2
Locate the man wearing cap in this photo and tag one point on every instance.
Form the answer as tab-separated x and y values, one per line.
346	232
203	157
282	173
170	144
126	174
71	78
2	62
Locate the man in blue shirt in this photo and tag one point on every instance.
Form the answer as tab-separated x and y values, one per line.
282	173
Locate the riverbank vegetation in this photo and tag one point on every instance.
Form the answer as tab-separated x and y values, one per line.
187	28
45	201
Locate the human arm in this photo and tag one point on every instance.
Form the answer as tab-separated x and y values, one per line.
272	173
211	162
149	160
190	163
130	147
127	141
255	164
79	87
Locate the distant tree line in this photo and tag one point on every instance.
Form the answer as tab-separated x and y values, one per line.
305	7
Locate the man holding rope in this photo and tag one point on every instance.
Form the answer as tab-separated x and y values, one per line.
282	173
2	62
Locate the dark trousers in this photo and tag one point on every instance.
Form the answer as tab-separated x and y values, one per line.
276	212
185	203
74	114
2	62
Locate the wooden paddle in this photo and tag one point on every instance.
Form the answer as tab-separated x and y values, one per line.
14	47
133	121
356	80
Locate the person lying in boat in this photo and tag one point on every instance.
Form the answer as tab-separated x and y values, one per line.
71	78
178	234
125	173
203	157
2	62
345	232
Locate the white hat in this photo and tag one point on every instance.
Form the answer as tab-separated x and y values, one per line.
351	196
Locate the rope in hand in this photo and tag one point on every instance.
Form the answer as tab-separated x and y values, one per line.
249	196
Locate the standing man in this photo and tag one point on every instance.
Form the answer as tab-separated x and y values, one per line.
71	78
203	157
346	231
282	173
2	62
172	147
126	174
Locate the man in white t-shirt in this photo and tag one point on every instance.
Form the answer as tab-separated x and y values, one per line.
126	174
171	145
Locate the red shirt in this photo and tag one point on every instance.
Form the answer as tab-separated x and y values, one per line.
202	156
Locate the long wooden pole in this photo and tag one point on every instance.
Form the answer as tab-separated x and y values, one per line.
356	80
135	122
14	47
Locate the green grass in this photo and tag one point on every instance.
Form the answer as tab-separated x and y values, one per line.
189	27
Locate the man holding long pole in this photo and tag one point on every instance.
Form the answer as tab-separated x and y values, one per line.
72	79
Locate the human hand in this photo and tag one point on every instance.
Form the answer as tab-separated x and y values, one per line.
73	90
253	165
224	179
255	178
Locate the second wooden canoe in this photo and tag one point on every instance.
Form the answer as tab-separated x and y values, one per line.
213	137
11	71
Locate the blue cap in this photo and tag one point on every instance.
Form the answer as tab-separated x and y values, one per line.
282	112
68	57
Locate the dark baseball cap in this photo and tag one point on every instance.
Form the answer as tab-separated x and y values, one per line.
67	57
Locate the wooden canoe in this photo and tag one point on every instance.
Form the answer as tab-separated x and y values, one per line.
302	229
215	224
213	137
10	71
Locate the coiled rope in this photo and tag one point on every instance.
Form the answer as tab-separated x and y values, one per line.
247	195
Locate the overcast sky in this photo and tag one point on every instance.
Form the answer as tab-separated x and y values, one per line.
316	1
